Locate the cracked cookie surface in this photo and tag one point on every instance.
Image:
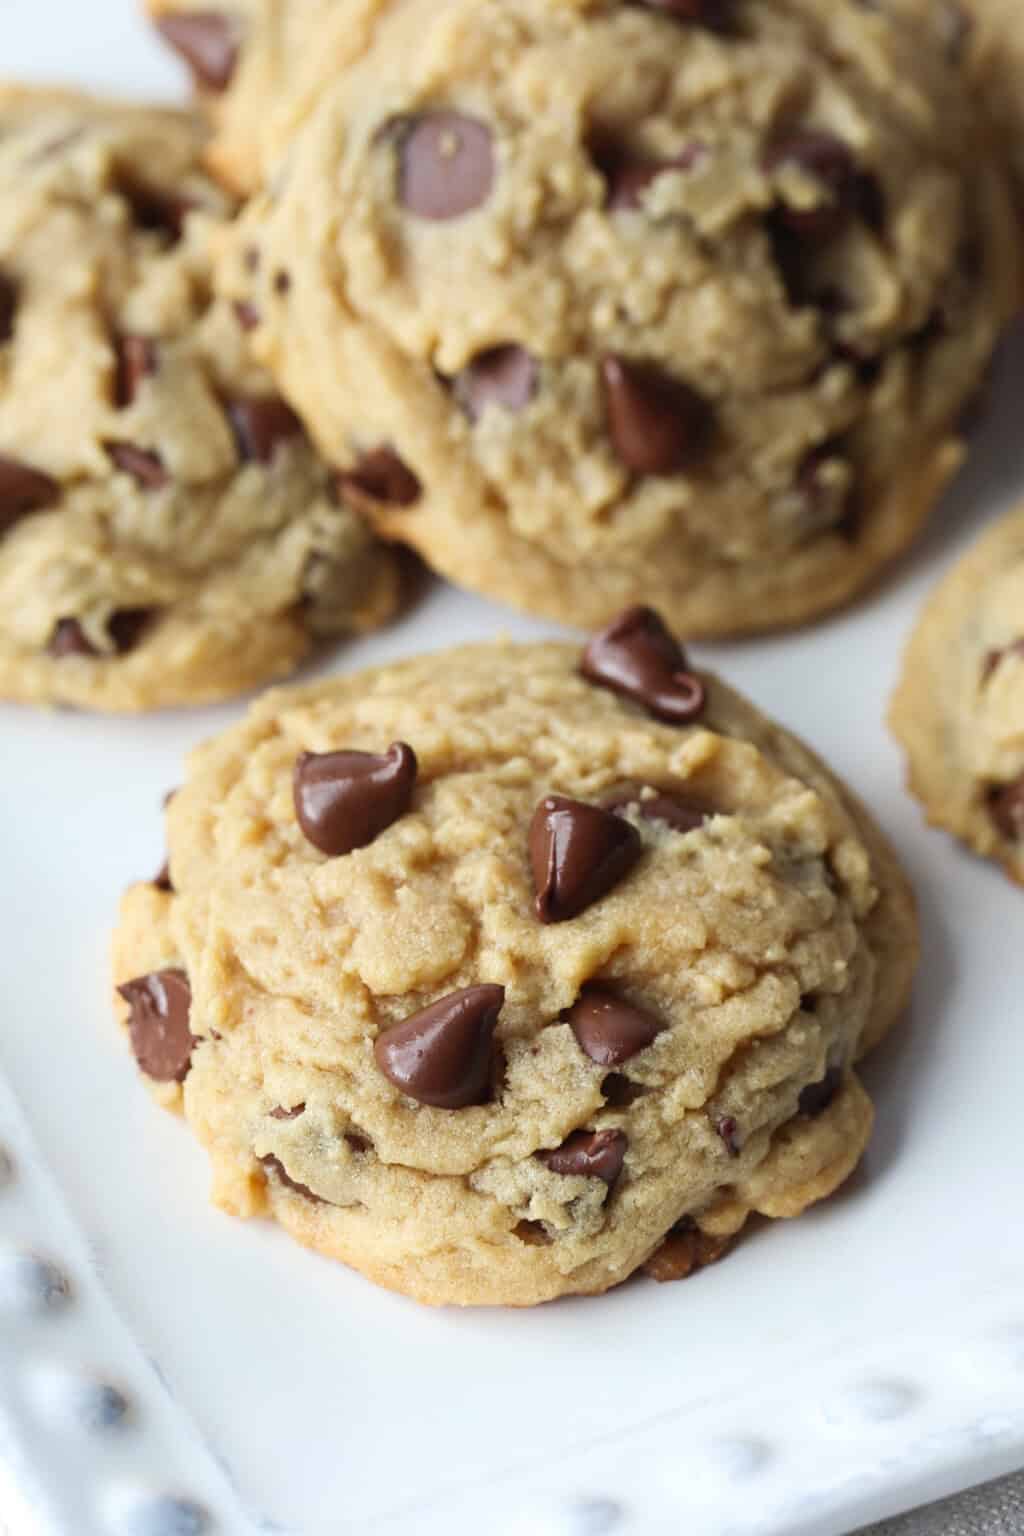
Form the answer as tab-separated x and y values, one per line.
168	534
958	711
586	982
695	332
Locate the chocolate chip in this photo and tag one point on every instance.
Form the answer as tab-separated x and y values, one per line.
280	1113
628	176
1006	808
578	852
282	282
275	1166
125	627
153	208
261	425
247	315
158	1024
685	1250
446	165
679	814
70	639
143	464
619	1091
609	1030
208	41
357	1142
638	656
658	425
503	377
380	477
816	1097
728	1130
23	490
8	306
588	1155
716	15
343	800
443	1055
136	359
829	162
162	879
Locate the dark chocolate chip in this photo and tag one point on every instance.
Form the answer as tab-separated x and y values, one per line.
588	1155
628	176
208	42
816	1097
23	490
382	478
829	162
280	1113
277	1168
143	464
578	852
343	800
247	315
136	359
609	1030
638	656
679	814
1006	808
162	879
446	165
8	306
503	377
158	1024
261	425
443	1055
658	425
728	1130
716	15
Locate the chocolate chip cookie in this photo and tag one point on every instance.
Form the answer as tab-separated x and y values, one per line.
994	43
694	332
501	973
959	707
167	532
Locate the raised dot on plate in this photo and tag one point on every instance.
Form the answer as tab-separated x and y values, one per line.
29	1283
872	1402
69	1396
165	1516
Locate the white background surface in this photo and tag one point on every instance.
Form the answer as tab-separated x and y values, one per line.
831	1371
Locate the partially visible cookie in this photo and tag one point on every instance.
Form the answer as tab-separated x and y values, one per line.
959	707
697	332
995	33
257	67
167	532
502	972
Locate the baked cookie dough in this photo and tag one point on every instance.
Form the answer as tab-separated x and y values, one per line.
503	972
959	708
167	532
599	304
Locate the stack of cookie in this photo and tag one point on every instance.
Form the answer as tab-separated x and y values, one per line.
505	972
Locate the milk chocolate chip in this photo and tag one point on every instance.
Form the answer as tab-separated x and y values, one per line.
588	1155
676	812
443	1055
143	464
578	852
261	425
281	1174
609	1030
658	425
343	800
208	42
504	377
446	165
135	360
158	1024
636	655
380	477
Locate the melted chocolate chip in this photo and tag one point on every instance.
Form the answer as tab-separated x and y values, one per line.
443	1055
158	1024
829	162
143	464
446	165
685	1250
208	42
261	425
504	378
136	359
588	1155
343	800
1006	808
380	477
8	306
679	814
658	425
23	490
609	1030
716	15
275	1166
578	852
637	655
280	1113
816	1097
728	1130
247	315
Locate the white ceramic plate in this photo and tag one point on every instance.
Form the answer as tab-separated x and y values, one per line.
166	1371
